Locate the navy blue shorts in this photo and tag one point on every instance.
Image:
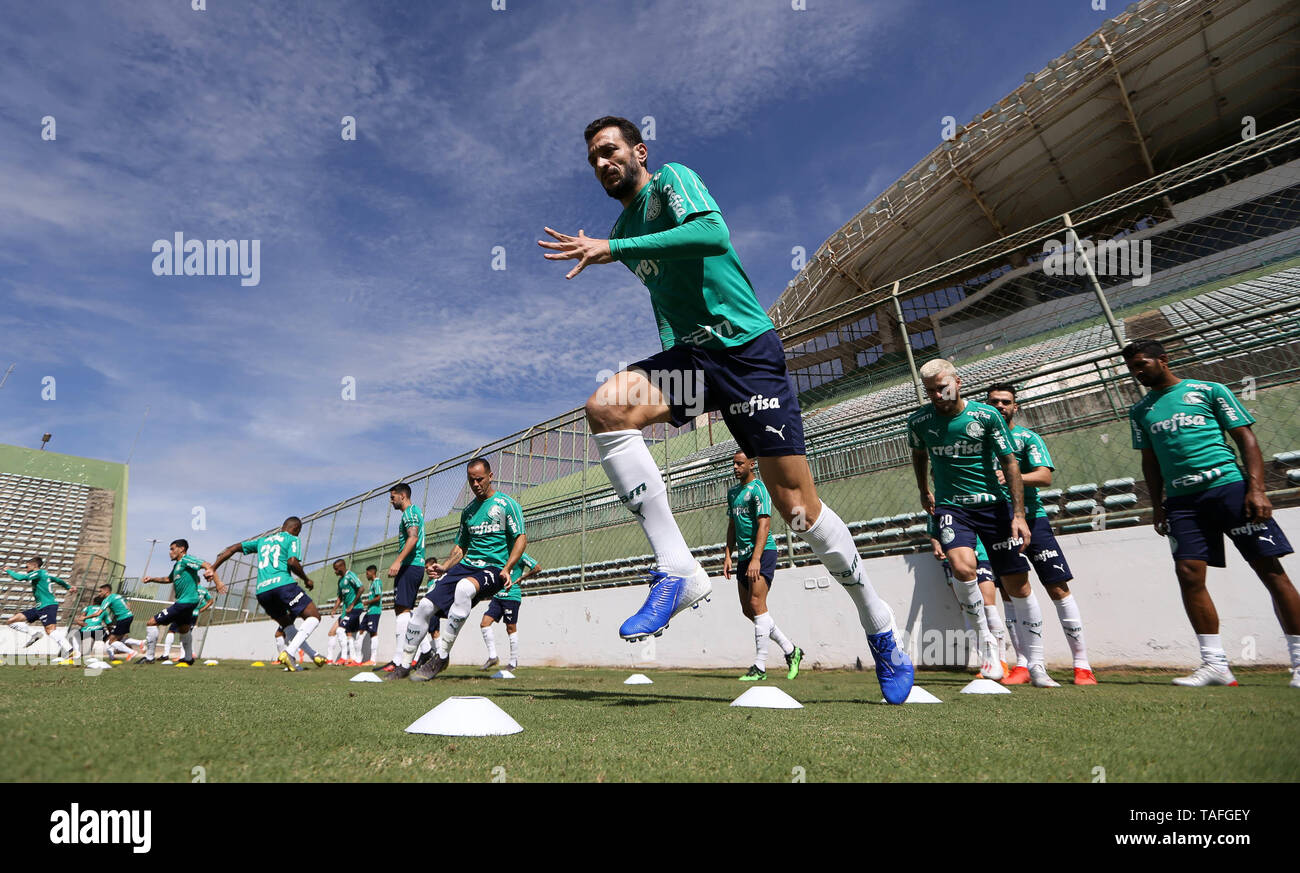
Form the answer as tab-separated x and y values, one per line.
284	603
443	592
767	567
121	628
407	585
1198	522
370	623
177	614
748	384
351	623
46	615
500	609
1045	553
960	526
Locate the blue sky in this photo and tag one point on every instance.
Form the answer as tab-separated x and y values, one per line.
376	254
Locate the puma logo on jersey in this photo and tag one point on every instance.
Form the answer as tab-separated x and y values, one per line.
1270	540
934	433
780	433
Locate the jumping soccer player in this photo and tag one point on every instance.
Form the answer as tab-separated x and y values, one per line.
372	602
347	606
1200	492
118	619
488	547
749	524
505	607
721	352
967	439
988	586
184	579
278	561
407	570
46	610
1044	552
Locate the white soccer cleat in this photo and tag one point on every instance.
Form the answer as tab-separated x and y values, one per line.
1039	678
1207	674
992	666
1295	677
698	590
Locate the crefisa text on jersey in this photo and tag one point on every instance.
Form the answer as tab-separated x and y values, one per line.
102	826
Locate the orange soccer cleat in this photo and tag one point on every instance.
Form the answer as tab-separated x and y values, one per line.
1084	676
1018	676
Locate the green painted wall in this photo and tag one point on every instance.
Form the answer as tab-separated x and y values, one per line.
83	471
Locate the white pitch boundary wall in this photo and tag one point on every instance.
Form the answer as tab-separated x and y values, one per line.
1124	584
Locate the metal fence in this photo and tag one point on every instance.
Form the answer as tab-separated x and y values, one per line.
1203	257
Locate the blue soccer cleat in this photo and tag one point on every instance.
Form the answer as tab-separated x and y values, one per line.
669	595
893	668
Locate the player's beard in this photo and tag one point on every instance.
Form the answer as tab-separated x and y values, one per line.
626	184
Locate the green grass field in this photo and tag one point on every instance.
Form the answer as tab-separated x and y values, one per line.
242	723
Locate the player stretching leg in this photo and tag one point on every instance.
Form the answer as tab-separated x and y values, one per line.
118	619
1044	552
46	610
505	607
1200	493
988	585
721	352
278	561
749	523
489	545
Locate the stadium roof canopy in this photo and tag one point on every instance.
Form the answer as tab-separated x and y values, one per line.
1157	86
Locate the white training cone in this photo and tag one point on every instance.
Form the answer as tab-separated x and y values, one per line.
465	717
365	677
984	686
209	663
503	674
638	679
767	697
919	695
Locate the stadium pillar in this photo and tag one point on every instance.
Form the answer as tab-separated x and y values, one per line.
907	344
1073	238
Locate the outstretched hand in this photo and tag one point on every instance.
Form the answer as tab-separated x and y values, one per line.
581	248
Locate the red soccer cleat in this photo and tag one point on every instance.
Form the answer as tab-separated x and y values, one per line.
1084	676
1018	676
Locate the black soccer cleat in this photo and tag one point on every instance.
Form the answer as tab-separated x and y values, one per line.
430	669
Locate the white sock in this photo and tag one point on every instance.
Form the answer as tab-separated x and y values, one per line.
187	645
631	470
363	641
416	628
1067	610
353	648
132	641
1031	628
300	639
971	602
456	616
426	644
1212	651
22	627
332	647
514	648
151	642
1293	647
119	648
779	638
1013	631
762	627
168	641
490	640
403	621
279	644
832	543
993	619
